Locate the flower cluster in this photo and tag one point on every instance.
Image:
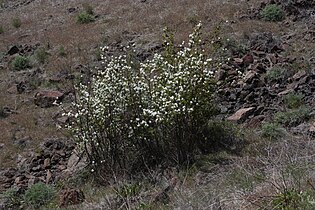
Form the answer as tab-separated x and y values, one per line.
129	104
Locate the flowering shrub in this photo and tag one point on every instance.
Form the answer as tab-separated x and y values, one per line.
131	113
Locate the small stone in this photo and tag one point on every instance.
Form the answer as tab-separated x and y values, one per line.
249	76
62	120
248	59
285	92
238	61
46	163
13	89
299	75
62	167
48	176
36	168
18	180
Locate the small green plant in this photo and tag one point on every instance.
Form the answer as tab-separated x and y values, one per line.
62	51
275	75
1	29
21	62
293	117
128	190
16	22
41	55
293	101
38	195
272	131
292	199
273	12
12	198
85	17
88	8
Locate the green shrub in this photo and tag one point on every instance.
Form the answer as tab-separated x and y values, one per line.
62	51
293	101
16	22
275	75
41	55
1	29
21	62
272	131
273	12
133	113
293	117
38	195
85	17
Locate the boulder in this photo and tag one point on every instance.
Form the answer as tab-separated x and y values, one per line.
241	114
13	50
48	98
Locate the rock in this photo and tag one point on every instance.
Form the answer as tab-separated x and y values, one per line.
220	74
241	114
48	98
31	181
249	76
238	61
300	129
36	168
13	89
62	120
13	50
46	163
48	176
71	9
285	92
248	59
18	180
299	75
75	164
61	167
